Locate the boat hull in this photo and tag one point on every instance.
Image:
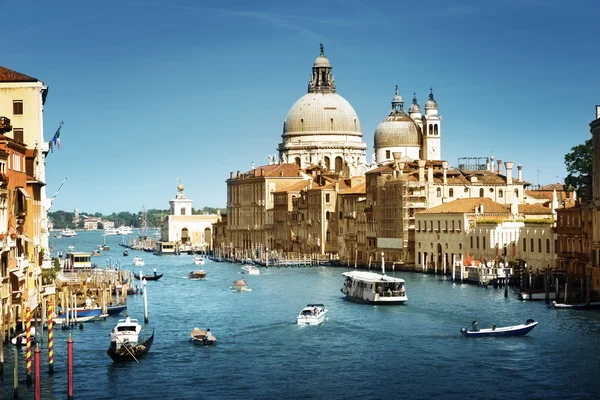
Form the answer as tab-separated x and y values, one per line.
517	330
380	302
148	277
127	353
115	310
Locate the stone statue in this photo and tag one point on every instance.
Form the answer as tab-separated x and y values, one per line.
373	158
283	158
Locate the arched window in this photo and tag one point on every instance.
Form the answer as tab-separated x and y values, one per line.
328	236
500	193
539	245
327	163
327	216
338	164
435	129
547	245
481	192
450	192
302	124
471	241
483	242
430	129
439	192
517	193
298	162
524	244
532	245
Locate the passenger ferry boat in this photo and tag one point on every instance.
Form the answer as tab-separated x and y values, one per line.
124	230
110	231
67	232
372	288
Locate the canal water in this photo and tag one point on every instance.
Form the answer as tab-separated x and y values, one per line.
412	351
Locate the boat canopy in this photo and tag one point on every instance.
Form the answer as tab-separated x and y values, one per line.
371	277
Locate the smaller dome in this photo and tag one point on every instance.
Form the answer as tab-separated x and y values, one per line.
322	61
431	103
397	130
414	107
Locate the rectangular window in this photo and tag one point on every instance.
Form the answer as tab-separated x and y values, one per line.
17	107
327	197
387	154
340	215
18	135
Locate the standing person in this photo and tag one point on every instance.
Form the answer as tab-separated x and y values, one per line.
154	270
209	337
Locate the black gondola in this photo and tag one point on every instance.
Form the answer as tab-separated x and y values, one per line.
127	352
148	277
125	253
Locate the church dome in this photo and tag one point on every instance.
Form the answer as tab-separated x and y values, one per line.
321	113
414	107
398	129
322	61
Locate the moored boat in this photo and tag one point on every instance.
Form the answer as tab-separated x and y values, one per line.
578	306
516	330
199	260
197	274
125	344
68	233
116	310
138	261
312	314
21	338
203	337
537	294
372	288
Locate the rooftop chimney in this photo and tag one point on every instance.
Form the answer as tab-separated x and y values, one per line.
500	167
421	164
509	168
520	173
231	175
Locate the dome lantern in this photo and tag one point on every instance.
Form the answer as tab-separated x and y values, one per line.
397	103
321	80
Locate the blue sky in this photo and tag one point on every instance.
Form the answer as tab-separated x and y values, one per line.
154	90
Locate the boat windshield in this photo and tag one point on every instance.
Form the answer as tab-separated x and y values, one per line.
126	328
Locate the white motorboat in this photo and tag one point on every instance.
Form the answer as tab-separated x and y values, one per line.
125	343
110	231
68	233
124	230
199	260
312	314
138	261
251	269
372	288
21	338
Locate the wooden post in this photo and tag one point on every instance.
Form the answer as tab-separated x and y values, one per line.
16	374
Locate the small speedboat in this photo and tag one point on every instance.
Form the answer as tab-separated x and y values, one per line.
197	274
198	260
202	337
251	269
138	261
240	284
516	330
312	314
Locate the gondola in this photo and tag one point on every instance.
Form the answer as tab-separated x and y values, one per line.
148	277
516	330
125	344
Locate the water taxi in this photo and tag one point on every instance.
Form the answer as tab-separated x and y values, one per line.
240	285
124	230
138	261
372	288
110	231
312	314
515	330
68	233
198	260
251	269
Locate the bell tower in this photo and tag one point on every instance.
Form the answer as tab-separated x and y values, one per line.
432	147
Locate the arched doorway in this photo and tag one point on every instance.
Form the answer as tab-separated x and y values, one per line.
185	235
207	245
339	163
440	256
327	163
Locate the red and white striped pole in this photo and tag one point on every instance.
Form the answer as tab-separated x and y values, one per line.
38	382
28	336
50	340
70	367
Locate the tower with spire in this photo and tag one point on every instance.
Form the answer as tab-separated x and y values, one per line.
431	121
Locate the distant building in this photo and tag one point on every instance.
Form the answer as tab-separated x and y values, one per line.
185	230
91	223
108	224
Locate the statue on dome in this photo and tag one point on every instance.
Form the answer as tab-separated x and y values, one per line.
283	158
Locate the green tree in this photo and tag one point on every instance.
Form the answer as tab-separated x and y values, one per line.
579	166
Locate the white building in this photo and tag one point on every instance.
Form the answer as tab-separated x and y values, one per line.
187	231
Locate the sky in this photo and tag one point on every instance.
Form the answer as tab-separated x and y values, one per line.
155	90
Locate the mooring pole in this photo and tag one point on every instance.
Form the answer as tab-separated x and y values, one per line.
38	382
50	339
70	367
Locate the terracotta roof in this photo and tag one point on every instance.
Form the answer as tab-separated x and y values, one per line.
358	189
534	209
539	195
8	75
283	170
465	206
296	187
554	186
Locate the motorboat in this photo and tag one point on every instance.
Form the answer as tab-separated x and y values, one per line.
125	253
125	343
240	284
116	309
199	260
516	330
251	269
578	306
312	314
68	232
21	338
373	288
110	231
148	277
138	261
124	230
96	253
537	294
197	274
203	337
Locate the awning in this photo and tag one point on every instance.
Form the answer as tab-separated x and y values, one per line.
25	238
24	193
18	274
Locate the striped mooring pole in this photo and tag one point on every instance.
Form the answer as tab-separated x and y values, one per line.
50	340
70	368
28	336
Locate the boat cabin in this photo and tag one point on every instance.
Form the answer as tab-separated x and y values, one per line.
77	261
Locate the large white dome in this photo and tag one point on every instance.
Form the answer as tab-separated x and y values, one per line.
321	113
